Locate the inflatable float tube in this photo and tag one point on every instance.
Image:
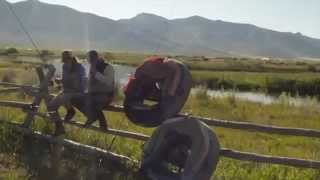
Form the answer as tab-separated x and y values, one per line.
187	145
138	90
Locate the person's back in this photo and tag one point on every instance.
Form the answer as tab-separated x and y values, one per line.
103	80
101	89
154	68
73	80
163	80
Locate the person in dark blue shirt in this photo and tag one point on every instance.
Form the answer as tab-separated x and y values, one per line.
73	86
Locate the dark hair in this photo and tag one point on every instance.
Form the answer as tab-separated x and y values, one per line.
66	54
73	59
93	54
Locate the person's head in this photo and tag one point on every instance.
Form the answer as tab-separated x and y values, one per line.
66	56
68	60
92	56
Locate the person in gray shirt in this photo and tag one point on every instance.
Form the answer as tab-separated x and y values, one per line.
101	87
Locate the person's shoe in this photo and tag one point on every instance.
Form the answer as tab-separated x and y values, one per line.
70	114
59	130
103	127
88	123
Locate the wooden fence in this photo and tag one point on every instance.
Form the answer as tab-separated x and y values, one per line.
41	92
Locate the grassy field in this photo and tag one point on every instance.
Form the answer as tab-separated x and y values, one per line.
225	108
195	63
306	83
200	104
242	74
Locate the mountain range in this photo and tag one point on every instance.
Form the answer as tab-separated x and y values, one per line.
61	27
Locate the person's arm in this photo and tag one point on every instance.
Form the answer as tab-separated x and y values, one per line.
82	79
93	70
176	77
100	77
62	81
107	77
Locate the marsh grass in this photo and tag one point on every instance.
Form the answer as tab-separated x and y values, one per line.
199	104
230	108
273	83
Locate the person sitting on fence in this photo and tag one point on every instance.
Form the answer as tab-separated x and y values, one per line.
100	90
73	82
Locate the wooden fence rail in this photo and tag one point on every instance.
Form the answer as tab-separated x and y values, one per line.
211	122
14	104
244	156
228	153
17	85
69	143
245	125
9	90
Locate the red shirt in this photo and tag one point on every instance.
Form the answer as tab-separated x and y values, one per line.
154	68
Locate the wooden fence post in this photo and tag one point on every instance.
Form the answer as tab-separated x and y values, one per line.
43	93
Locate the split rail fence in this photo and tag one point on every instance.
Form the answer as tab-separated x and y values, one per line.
41	92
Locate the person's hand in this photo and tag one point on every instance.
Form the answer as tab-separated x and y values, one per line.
51	83
93	70
59	87
58	80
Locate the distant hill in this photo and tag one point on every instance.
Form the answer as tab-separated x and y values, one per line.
55	26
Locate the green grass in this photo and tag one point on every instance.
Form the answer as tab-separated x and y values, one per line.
199	104
306	83
282	114
198	62
224	76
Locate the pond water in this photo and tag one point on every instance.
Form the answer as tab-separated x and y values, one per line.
262	97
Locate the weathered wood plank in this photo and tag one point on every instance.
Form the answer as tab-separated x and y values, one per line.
15	104
244	125
71	144
17	85
216	122
44	83
126	134
245	156
260	128
229	153
9	90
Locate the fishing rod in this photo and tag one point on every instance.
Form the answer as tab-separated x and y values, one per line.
23	28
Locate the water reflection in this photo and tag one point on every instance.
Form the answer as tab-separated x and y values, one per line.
263	98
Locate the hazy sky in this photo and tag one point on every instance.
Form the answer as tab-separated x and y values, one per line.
281	15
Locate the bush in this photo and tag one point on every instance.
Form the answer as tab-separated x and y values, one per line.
312	68
109	56
9	77
46	53
11	51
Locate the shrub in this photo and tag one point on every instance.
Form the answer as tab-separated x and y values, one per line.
9	77
109	56
11	51
45	53
312	68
